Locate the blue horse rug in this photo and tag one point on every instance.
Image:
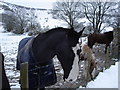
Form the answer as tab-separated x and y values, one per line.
39	76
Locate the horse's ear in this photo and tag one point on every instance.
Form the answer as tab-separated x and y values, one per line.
80	33
72	28
71	32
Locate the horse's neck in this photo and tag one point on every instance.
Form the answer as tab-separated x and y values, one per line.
44	47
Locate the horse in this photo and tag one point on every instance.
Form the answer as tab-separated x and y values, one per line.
42	48
5	82
105	38
88	57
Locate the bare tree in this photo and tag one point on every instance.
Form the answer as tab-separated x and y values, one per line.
8	18
20	19
97	13
8	22
33	26
69	11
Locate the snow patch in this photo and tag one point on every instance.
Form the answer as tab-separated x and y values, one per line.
106	79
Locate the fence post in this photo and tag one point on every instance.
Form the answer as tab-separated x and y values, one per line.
24	75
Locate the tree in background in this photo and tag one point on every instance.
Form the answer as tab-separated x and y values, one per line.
114	21
97	13
20	20
8	22
68	11
33	25
14	19
7	18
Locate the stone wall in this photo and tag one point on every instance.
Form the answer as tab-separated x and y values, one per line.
116	44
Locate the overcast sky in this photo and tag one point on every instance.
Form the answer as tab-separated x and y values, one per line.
46	4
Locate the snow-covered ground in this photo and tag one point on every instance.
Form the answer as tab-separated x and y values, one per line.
9	45
106	79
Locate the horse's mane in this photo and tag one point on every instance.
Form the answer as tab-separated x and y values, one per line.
57	29
53	30
43	36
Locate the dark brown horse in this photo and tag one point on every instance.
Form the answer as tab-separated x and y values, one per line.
104	38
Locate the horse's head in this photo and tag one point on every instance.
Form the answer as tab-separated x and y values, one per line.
70	64
73	37
69	59
109	35
84	52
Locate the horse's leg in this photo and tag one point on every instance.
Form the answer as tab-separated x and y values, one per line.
90	44
107	62
106	49
109	48
92	66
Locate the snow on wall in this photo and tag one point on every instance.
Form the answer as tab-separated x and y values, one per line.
106	79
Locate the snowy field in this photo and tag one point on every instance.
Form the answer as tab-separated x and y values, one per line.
9	45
